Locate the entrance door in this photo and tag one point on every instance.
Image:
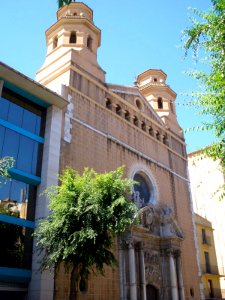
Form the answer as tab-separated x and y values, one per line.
151	292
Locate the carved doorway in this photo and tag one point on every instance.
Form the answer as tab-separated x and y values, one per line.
151	292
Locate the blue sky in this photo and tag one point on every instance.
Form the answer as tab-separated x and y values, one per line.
136	36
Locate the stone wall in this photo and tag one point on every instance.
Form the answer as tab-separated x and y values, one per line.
103	139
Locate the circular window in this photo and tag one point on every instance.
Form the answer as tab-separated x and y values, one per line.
143	190
138	103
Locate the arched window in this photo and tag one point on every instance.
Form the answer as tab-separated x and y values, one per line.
118	109
89	42
151	131
160	103
83	286
135	121
109	104
165	140
143	190
73	37
127	115
157	136
143	126
55	42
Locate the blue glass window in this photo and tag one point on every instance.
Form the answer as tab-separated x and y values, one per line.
26	151
143	188
20	112
15	115
18	198
16	250
4	108
21	136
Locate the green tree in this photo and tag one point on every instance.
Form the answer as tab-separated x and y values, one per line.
61	3
5	164
11	250
207	35
87	213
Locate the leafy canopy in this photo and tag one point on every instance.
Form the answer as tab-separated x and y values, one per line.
61	3
87	212
5	164
208	36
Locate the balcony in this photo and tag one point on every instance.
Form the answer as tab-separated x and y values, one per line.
209	269
213	294
206	240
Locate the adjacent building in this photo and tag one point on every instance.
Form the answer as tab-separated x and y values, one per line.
103	126
208	261
30	131
206	177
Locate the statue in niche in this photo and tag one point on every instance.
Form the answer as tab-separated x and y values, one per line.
137	199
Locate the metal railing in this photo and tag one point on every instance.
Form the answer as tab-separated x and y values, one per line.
213	294
209	269
206	240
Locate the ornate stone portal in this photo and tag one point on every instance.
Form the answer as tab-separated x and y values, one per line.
150	262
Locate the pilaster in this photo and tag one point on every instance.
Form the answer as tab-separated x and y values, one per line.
132	271
42	284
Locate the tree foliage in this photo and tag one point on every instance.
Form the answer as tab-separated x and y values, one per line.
87	212
207	35
5	164
61	3
11	250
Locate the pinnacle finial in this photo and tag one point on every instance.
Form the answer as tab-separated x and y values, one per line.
61	3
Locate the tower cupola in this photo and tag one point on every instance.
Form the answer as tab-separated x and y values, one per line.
74	29
152	84
74	39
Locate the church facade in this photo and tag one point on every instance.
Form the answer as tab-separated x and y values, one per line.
105	126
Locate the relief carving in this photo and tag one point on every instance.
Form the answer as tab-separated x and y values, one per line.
68	117
160	220
152	268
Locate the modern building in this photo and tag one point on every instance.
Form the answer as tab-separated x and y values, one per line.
206	177
105	126
30	131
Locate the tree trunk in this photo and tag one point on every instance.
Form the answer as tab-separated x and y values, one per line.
73	283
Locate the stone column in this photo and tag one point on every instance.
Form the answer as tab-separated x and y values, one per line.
173	277
142	271
179	276
132	272
122	271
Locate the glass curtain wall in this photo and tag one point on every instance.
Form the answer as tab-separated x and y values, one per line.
22	126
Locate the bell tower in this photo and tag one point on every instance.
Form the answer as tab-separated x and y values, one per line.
72	41
152	85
